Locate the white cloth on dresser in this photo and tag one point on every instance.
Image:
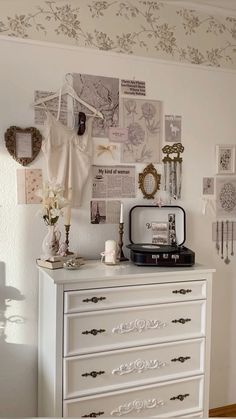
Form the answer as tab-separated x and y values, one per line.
68	157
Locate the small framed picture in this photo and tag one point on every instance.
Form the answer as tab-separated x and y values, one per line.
225	159
208	186
160	233
24	147
23	144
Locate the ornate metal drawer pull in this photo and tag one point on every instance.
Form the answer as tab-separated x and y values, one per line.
93	332
180	397
181	359
92	374
137	406
181	291
94	299
138	366
182	321
139	325
93	415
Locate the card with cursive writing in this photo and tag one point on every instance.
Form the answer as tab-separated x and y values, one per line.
118	135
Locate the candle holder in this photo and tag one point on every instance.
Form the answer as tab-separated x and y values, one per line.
67	231
120	254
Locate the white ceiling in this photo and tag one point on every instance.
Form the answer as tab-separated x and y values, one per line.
222	6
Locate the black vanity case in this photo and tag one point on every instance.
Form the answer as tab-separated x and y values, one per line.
157	235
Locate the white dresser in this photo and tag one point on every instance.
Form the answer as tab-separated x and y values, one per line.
124	341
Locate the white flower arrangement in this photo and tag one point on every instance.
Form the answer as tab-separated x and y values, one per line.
52	201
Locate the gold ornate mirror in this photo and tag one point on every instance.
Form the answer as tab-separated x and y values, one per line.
149	181
23	144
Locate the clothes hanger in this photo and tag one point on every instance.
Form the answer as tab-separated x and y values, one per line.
67	89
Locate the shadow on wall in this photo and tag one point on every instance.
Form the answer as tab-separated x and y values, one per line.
11	355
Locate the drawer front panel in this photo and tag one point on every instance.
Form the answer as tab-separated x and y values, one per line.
85	375
79	301
181	397
113	329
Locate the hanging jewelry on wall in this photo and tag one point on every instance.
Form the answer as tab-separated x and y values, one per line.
224	234
173	169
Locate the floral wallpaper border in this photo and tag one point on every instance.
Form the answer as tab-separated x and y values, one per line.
144	28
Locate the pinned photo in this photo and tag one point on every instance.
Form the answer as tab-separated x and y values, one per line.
173	128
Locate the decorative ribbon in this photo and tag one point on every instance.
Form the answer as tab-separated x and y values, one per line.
106	148
158	202
108	253
208	203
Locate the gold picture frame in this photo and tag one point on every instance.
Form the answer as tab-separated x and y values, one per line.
23	144
149	181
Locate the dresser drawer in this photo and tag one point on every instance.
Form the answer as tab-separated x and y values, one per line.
169	399
119	328
97	299
114	370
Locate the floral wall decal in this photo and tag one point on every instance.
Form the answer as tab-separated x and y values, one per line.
144	28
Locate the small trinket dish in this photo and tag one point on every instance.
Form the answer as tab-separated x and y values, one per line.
73	264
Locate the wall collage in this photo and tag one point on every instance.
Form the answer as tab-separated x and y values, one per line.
219	194
127	129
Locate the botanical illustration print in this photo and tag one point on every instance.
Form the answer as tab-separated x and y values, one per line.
226	197
143	120
103	94
140	27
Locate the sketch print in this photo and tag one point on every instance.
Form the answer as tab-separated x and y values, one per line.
225	159
142	118
226	196
173	128
208	186
103	94
98	212
52	105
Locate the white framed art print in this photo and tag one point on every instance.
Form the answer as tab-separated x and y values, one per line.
225	159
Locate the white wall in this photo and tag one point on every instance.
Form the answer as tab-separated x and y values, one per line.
205	98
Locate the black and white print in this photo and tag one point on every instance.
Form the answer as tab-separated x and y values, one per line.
208	186
103	94
225	159
226	196
160	232
173	128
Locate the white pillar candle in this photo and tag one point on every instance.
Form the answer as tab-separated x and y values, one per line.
110	251
121	212
67	211
67	215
